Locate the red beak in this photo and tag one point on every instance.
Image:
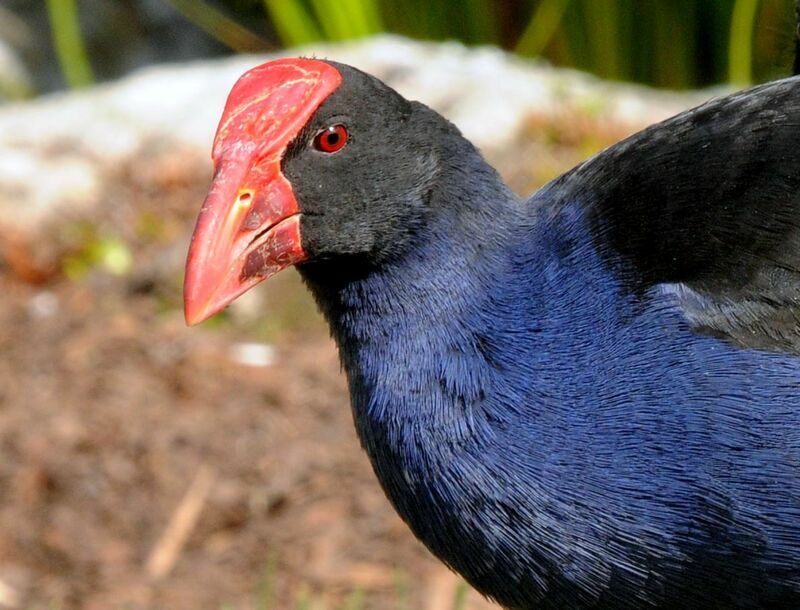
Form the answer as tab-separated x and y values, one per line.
249	226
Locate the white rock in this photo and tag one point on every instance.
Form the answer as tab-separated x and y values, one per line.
252	354
42	305
33	184
9	597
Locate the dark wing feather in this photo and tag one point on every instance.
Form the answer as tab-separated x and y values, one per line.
708	203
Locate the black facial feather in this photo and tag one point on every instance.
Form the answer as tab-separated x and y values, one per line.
368	198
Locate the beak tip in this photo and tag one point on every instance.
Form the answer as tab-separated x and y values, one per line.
197	310
192	317
191	320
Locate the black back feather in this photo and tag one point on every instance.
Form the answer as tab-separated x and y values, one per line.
709	202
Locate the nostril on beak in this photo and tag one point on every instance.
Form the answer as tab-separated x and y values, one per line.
244	201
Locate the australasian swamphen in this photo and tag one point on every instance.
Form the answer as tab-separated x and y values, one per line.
589	399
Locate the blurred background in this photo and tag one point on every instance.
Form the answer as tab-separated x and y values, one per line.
666	43
147	465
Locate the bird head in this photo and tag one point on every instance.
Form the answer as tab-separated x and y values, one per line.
313	160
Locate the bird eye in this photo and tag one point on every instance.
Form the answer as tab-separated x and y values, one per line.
331	139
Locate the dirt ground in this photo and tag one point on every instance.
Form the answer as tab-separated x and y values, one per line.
145	465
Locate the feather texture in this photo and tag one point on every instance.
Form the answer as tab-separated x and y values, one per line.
590	399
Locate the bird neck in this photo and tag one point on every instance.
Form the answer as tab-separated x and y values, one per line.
477	347
404	328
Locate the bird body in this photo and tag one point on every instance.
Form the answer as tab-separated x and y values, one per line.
590	399
556	437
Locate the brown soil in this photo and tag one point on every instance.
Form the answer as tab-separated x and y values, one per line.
141	466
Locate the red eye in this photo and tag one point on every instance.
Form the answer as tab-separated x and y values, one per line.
331	139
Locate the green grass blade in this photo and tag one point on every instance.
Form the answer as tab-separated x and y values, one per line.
355	601
265	597
740	45
460	600
354	17
346	19
331	19
402	591
294	24
540	29
796	66
68	43
368	13
481	21
303	600
602	21
217	24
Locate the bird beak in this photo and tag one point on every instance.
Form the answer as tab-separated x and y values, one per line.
247	231
249	226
